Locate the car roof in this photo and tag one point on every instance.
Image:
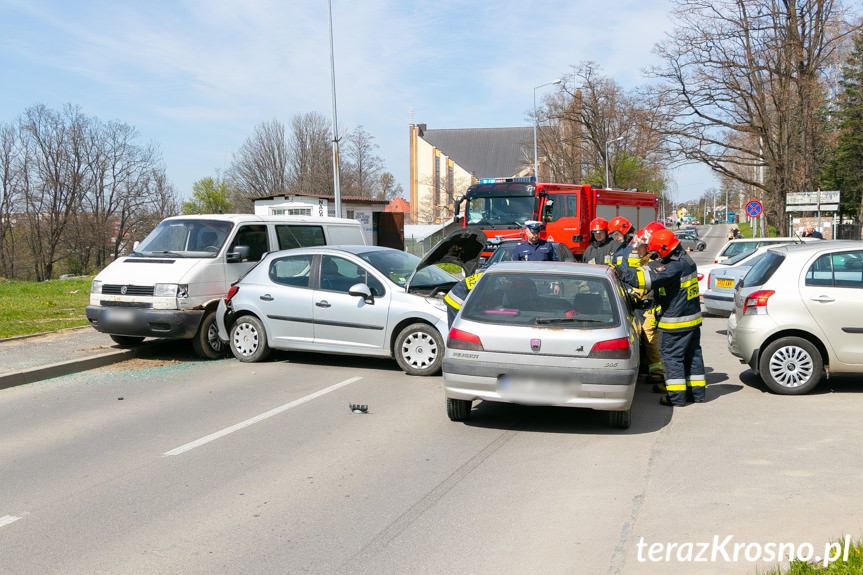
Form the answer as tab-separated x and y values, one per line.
819	246
356	250
549	268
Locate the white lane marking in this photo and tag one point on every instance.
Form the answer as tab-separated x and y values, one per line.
259	418
7	519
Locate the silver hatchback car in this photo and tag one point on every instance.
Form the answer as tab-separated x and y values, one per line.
544	333
359	300
797	313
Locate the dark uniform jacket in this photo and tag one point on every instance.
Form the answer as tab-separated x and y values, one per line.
542	251
456	296
674	281
599	252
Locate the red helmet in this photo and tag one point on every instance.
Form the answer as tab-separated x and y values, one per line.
663	242
599	225
654	227
643	235
619	224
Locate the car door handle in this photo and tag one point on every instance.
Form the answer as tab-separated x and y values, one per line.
823	298
323	303
267	297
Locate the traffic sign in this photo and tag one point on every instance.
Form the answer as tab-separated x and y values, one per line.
753	209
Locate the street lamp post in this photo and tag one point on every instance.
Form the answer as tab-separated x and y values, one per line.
535	122
337	196
606	159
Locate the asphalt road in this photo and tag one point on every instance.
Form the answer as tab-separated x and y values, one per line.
173	465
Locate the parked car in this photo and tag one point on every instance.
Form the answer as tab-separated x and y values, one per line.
690	229
544	333
361	300
718	297
691	242
704	270
735	247
797	313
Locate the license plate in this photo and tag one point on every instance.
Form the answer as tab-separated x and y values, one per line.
536	391
725	283
120	315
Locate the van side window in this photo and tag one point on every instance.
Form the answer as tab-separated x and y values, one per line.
291	270
254	236
300	236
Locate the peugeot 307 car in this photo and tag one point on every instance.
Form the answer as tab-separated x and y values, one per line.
544	333
797	314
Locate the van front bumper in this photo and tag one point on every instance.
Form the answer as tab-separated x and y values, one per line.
182	324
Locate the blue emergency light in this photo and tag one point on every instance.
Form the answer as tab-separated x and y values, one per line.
525	180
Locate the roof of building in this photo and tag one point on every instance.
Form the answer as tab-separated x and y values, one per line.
485	152
398	205
344	198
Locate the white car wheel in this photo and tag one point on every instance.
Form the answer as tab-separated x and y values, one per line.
249	339
419	349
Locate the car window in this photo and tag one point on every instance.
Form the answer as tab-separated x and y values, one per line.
291	270
254	236
340	274
739	247
761	272
293	236
738	258
839	270
561	300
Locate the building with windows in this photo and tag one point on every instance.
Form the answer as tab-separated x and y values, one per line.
443	163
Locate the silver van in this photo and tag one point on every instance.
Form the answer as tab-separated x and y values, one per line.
171	284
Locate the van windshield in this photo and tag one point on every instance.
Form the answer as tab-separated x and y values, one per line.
192	238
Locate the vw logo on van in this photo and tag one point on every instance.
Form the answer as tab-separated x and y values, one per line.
123	290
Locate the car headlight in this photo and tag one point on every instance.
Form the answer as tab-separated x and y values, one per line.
96	287
171	290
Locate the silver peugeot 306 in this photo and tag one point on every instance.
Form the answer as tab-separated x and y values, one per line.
544	333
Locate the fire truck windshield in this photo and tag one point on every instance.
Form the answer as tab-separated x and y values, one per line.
513	210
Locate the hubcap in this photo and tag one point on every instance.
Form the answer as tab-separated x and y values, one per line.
245	339
791	366
419	350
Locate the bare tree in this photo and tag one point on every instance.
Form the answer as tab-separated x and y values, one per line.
261	166
310	154
9	194
389	188
743	81
361	162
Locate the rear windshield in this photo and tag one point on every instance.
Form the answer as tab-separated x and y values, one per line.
738	248
761	272
560	300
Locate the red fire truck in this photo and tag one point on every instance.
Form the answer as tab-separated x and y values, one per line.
500	206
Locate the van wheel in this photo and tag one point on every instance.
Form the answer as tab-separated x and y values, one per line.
206	342
249	339
620	419
419	349
458	409
791	366
127	340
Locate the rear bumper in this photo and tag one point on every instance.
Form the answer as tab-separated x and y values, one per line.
145	322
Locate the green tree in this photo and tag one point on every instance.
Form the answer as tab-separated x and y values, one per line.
844	172
209	196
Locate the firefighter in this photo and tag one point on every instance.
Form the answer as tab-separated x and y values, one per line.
601	245
534	249
674	279
621	231
456	296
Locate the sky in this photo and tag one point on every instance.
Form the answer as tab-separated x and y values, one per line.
197	77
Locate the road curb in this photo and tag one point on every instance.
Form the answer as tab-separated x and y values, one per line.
67	367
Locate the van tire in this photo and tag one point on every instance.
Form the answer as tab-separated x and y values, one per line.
206	342
249	339
127	340
419	349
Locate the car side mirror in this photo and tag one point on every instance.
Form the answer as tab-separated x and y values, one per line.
363	291
239	254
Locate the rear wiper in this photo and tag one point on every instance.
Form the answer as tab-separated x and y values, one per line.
566	320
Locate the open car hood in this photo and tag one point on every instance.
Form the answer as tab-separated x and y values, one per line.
462	248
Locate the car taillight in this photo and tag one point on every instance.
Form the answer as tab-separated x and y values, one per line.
756	302
231	292
611	349
708	280
459	339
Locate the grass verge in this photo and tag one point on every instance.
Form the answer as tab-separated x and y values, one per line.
36	307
